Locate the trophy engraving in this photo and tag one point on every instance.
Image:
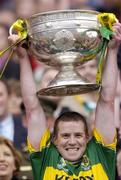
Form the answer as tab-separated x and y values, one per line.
64	40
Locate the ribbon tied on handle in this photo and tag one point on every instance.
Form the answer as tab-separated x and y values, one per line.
106	30
19	27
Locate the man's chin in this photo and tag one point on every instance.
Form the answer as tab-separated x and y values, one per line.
72	159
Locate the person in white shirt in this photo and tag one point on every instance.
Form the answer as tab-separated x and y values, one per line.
10	126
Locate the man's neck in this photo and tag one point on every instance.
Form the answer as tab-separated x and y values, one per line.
73	162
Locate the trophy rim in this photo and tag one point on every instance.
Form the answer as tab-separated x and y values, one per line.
63	11
68	90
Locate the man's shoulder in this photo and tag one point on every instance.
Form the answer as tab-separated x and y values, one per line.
50	148
49	155
98	148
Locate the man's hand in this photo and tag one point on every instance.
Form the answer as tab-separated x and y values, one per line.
21	52
116	38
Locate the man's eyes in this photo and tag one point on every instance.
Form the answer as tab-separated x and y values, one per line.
79	135
65	135
76	135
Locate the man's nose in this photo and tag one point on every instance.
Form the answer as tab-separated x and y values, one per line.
72	140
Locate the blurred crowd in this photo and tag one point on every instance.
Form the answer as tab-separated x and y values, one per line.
13	120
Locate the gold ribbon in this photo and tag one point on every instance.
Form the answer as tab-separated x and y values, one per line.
20	26
4	67
107	20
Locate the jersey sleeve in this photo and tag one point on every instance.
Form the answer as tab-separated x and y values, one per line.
103	154
100	140
45	141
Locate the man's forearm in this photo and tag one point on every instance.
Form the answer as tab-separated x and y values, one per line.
110	76
27	83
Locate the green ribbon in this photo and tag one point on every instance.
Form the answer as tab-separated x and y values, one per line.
106	34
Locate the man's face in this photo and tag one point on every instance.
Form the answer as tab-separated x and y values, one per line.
71	140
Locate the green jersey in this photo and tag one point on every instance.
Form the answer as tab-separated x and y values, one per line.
97	163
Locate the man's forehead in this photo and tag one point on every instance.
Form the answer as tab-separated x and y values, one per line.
71	126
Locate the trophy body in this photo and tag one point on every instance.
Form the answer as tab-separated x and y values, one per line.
65	40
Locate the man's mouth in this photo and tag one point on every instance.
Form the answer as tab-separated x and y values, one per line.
72	149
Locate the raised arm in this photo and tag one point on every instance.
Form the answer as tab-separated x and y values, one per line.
104	119
34	112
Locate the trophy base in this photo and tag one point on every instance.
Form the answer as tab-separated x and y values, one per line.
68	90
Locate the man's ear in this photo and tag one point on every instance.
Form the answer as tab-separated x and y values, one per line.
54	140
87	138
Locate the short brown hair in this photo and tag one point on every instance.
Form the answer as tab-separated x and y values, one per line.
15	153
69	117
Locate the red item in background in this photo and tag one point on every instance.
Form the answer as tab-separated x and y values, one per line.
34	63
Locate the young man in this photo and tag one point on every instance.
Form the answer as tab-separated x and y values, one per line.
69	155
11	125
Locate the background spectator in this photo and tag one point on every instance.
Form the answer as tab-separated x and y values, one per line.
10	126
10	160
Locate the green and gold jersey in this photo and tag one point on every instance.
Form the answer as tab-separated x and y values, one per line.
97	163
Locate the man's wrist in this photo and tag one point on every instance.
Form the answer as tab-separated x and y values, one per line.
113	50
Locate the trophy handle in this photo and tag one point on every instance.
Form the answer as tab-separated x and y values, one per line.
20	27
21	32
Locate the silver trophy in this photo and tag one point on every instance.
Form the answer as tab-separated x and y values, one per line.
65	40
